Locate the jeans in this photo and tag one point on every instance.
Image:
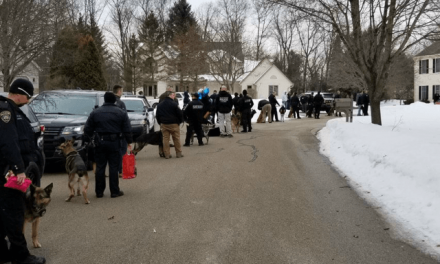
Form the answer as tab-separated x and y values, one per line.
225	123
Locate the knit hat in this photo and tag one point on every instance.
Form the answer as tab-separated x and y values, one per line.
22	86
109	97
244	92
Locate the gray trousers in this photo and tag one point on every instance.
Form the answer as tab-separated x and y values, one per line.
224	120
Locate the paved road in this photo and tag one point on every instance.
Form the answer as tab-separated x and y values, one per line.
261	197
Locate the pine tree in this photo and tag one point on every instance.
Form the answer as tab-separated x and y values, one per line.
180	19
151	36
88	65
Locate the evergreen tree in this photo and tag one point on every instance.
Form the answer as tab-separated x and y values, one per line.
88	65
151	36
180	19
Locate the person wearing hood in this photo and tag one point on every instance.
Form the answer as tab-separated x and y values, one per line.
223	105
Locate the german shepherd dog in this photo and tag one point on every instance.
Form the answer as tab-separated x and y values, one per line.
282	112
75	166
36	201
235	121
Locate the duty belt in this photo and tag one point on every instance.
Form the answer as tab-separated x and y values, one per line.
109	137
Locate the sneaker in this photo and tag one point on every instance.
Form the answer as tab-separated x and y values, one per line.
230	135
31	259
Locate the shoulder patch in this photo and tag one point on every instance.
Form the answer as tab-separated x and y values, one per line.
5	116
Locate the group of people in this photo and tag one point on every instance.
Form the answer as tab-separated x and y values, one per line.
201	110
310	105
362	101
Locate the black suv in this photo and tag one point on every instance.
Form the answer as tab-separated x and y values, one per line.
64	114
35	168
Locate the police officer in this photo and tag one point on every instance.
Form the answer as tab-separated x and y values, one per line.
193	114
17	148
106	124
246	106
318	100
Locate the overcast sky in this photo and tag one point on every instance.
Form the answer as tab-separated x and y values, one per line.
196	3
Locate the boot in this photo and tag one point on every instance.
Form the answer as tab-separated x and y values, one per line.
161	154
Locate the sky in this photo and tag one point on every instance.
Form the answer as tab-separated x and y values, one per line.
196	3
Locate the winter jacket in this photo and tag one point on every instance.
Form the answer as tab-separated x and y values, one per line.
285	97
168	112
223	102
193	112
294	101
273	100
236	103
246	103
318	99
262	103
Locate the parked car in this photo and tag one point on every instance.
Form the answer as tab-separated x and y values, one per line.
140	112
328	99
35	169
64	114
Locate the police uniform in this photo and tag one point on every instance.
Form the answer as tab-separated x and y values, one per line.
17	148
107	123
194	117
246	106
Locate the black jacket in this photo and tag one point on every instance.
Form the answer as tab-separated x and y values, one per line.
186	97
223	102
365	99
109	119
304	99
236	103
246	103
194	112
294	101
168	112
318	100
262	103
17	142
273	100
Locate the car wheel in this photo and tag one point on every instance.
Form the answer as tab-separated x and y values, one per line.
33	173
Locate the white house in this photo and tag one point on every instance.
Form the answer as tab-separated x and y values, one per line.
427	73
31	73
264	79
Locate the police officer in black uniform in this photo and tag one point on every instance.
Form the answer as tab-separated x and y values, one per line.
118	90
193	114
246	106
107	124
17	148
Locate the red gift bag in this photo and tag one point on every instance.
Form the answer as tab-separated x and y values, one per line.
128	166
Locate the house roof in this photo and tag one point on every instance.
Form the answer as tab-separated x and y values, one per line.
433	49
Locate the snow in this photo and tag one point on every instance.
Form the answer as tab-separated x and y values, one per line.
393	167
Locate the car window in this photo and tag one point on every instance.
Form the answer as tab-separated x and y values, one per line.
28	112
63	103
134	105
178	95
328	95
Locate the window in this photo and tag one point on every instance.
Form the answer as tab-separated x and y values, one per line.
423	93
249	87
273	88
435	65
435	89
423	66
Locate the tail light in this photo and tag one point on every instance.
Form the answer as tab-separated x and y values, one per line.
42	128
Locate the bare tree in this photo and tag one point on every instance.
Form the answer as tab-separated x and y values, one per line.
206	16
310	38
284	33
392	28
26	30
263	18
123	17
